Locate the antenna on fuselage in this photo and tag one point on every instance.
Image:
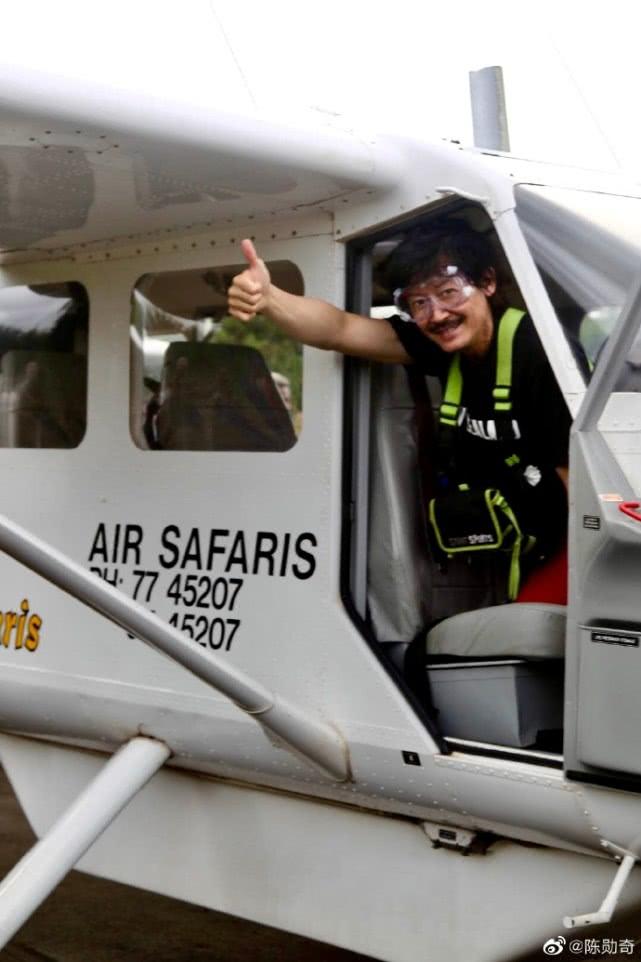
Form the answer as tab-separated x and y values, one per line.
489	114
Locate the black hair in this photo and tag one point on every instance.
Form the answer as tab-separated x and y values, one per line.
443	242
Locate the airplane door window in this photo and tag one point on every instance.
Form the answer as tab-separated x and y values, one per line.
203	381
43	365
587	247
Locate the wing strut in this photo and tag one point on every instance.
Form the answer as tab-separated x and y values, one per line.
317	742
46	864
606	909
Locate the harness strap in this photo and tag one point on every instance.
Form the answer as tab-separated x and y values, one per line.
514	577
508	326
451	405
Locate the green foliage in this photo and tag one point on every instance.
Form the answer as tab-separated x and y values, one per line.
281	353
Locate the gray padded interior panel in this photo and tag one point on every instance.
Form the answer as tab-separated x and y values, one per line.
514	630
398	558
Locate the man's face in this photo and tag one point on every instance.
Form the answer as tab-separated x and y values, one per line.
452	312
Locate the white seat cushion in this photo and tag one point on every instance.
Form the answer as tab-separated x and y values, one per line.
504	631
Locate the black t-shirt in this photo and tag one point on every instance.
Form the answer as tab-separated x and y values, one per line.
536	430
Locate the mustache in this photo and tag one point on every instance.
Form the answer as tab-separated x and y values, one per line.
436	327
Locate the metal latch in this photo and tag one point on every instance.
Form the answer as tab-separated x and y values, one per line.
457	839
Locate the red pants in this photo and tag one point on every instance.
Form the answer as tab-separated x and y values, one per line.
548	582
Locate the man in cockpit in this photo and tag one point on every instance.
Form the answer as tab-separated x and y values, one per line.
450	321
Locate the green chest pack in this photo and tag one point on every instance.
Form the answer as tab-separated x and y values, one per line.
469	520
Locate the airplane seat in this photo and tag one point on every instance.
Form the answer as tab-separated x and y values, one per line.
496	674
220	397
398	566
43	401
594	332
406	589
535	630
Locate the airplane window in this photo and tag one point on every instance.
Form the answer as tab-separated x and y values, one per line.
204	381
43	365
588	249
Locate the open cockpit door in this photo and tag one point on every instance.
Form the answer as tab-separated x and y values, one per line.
603	704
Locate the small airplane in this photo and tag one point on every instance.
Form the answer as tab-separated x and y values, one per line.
214	556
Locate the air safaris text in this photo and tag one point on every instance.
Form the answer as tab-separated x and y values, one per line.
220	550
235	552
202	574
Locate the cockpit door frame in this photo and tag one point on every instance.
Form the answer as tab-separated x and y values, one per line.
603	657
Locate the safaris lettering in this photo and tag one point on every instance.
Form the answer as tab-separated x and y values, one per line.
20	629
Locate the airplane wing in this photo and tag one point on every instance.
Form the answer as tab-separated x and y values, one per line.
82	164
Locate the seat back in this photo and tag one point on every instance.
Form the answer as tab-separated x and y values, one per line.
43	399
220	397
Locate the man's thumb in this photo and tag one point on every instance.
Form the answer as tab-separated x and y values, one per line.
249	252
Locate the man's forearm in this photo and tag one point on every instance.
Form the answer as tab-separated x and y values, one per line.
307	319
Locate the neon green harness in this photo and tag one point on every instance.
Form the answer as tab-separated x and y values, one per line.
505	528
451	405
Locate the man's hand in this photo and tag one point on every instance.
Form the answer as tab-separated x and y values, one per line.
308	319
249	291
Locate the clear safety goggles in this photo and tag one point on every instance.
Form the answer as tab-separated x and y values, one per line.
447	290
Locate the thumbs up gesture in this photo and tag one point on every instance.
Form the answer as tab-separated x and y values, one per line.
249	290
